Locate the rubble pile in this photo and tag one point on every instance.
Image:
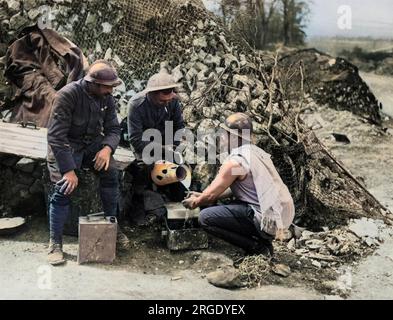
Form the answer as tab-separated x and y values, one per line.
21	186
331	81
317	252
380	62
220	75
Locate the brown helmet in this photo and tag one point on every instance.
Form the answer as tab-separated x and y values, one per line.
102	72
239	124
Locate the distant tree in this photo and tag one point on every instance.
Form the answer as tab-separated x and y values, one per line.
264	22
295	15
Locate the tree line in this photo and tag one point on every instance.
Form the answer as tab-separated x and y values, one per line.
266	22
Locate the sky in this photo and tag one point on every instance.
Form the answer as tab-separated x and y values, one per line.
370	18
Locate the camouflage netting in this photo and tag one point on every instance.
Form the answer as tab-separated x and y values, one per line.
220	75
332	81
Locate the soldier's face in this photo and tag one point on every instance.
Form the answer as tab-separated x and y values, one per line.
163	98
104	91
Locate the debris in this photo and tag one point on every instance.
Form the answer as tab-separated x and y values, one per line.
291	244
322	257
13	5
228	278
106	27
341	138
255	269
282	270
10	226
314	244
335	82
298	231
176	278
18	21
26	165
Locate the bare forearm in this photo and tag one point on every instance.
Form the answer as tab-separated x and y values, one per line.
209	197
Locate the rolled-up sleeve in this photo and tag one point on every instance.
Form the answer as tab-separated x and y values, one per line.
112	130
58	129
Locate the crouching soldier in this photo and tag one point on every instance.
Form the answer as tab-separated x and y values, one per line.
263	208
83	132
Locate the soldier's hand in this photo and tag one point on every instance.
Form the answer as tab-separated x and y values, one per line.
190	202
102	159
68	183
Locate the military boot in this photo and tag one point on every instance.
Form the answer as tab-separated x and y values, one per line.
55	254
123	243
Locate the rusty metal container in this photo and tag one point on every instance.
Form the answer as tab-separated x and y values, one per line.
97	239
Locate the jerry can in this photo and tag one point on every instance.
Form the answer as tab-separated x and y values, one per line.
97	239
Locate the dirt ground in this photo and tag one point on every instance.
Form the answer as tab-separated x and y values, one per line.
150	271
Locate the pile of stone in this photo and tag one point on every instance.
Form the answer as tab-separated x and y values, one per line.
329	247
325	255
14	16
21	186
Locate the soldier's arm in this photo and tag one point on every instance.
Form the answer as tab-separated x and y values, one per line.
112	128
58	129
229	172
178	121
135	128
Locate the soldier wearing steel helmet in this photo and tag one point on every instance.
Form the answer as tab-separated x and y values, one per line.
83	132
263	208
152	108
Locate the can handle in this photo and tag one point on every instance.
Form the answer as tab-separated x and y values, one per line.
94	215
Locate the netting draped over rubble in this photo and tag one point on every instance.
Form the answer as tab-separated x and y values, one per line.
220	75
332	81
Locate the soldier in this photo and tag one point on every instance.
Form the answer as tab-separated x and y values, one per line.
157	107
263	208
151	109
83	132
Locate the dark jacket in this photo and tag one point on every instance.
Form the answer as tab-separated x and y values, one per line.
144	115
78	120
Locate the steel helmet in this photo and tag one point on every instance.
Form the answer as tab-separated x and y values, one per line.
102	72
238	124
161	81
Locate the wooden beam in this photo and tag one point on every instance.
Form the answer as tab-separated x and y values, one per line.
32	143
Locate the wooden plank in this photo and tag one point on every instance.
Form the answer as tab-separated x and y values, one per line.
17	142
32	143
10	136
18	129
23	152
